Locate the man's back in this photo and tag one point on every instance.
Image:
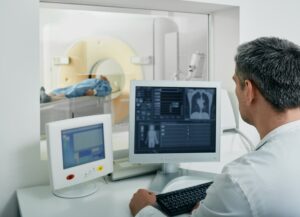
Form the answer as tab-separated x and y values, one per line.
266	180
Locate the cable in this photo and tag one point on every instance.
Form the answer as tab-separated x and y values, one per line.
251	146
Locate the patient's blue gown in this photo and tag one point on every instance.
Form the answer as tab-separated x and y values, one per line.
101	88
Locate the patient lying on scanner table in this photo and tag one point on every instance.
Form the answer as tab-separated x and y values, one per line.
88	87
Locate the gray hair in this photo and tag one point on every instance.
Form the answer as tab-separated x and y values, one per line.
273	65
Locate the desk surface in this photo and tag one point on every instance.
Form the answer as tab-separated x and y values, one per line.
113	198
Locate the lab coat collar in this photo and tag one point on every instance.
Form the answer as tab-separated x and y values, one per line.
277	131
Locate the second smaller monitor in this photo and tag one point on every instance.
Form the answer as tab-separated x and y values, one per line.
174	121
79	152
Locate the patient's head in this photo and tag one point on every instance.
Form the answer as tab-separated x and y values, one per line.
102	77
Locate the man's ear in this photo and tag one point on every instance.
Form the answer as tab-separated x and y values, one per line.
250	90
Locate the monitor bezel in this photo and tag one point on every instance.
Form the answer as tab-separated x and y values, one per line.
173	157
84	172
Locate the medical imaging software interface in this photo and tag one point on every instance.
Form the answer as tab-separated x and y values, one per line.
175	120
82	145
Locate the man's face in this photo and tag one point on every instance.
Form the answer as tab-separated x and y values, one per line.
240	94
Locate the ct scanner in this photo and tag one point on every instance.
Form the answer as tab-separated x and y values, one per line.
119	62
101	56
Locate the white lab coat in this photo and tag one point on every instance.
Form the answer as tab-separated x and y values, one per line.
263	183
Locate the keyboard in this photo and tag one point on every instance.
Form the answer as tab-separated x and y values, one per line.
183	200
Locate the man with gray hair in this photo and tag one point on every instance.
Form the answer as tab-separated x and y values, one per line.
265	182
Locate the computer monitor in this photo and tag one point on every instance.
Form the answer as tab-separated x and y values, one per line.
174	121
79	150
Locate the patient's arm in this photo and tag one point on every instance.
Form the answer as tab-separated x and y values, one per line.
90	92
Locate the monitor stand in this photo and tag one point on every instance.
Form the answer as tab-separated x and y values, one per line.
77	191
172	172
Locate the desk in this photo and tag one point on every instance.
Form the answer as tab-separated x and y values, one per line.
113	198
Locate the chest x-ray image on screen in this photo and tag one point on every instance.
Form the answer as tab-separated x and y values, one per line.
200	103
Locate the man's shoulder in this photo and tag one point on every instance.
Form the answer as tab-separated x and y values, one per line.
250	165
239	165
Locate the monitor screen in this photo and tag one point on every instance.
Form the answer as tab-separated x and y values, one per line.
174	121
82	145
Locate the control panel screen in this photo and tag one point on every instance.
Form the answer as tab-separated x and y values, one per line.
175	120
82	145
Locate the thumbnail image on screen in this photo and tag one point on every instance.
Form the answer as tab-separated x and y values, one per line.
82	145
175	120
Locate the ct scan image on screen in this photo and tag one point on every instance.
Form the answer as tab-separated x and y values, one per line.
175	119
82	145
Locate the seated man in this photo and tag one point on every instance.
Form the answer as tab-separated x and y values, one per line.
88	87
266	181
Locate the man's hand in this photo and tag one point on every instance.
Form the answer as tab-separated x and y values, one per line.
141	199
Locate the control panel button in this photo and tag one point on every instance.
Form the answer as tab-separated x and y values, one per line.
100	168
70	177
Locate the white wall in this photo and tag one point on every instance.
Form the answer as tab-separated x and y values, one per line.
270	18
266	18
225	39
19	111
